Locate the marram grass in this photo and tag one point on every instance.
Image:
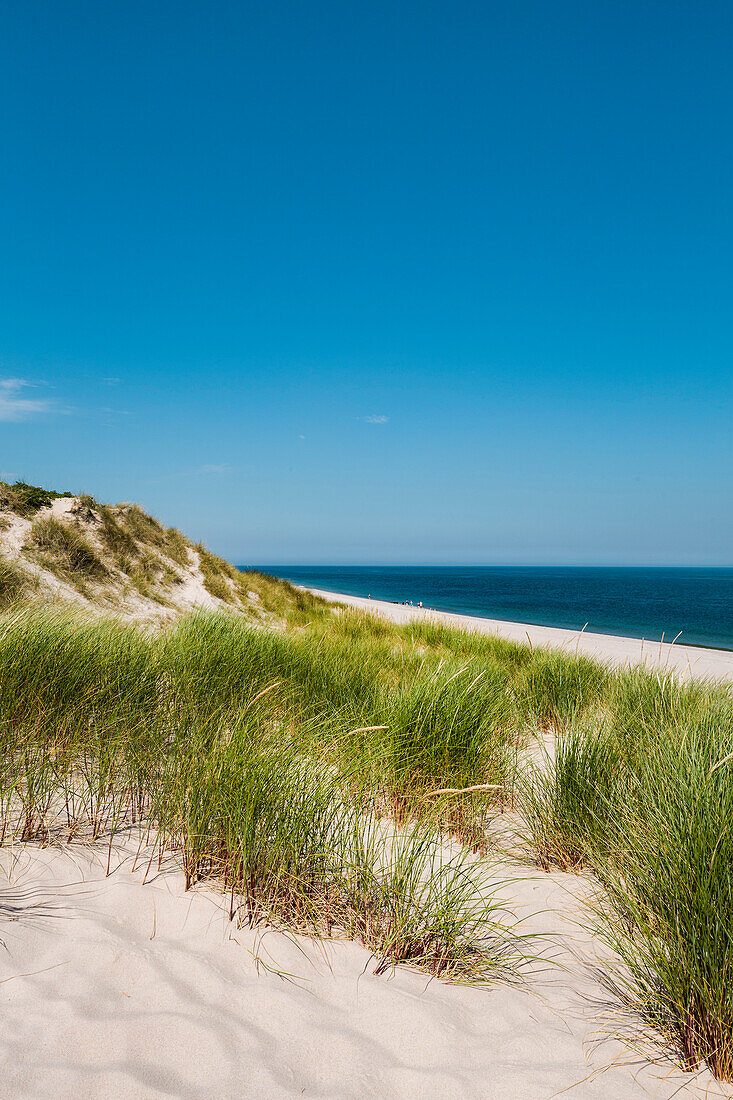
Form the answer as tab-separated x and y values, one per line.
645	799
103	724
314	773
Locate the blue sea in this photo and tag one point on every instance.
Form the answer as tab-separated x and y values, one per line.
697	604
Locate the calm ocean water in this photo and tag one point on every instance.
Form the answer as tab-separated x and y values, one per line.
640	603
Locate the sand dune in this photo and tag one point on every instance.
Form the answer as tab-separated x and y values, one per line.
112	988
686	660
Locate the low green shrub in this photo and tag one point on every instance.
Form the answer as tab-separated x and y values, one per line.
25	499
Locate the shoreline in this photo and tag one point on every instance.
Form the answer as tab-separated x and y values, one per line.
696	662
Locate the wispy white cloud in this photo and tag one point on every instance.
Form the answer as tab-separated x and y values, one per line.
215	468
14	405
376	419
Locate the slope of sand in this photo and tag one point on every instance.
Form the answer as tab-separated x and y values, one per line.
111	988
187	593
685	660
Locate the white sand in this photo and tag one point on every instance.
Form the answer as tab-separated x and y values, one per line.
686	660
111	988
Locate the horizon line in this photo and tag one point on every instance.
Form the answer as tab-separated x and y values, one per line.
477	565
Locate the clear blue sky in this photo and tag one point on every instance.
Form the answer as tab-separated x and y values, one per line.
381	282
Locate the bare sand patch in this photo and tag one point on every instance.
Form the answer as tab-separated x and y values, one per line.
115	988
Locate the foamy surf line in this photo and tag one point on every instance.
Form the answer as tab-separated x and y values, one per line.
685	660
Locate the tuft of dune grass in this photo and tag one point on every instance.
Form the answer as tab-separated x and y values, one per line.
14	582
256	590
64	549
103	724
644	798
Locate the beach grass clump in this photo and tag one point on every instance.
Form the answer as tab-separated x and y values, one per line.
176	546
328	674
279	597
256	591
555	688
409	727
642	703
103	724
253	813
63	671
147	569
149	573
63	548
117	538
141	526
130	528
669	880
293	849
412	901
572	800
30	781
216	575
448	729
217	663
418	728
444	640
219	660
14	582
350	622
644	799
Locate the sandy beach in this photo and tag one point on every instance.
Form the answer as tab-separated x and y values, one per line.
115	988
696	661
